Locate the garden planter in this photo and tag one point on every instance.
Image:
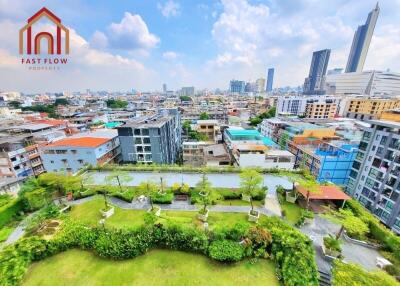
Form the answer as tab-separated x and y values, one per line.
246	198
107	213
329	253
290	198
253	216
203	217
156	211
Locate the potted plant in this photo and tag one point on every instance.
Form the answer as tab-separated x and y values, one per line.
251	183
331	247
205	192
149	189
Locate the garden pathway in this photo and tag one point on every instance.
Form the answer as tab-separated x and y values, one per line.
175	205
353	253
19	231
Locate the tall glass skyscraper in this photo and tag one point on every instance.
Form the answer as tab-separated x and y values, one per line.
313	84
361	41
270	80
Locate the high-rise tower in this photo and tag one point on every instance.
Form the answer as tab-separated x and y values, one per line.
270	79
314	83
361	41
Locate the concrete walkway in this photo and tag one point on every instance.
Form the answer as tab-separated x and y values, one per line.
353	253
174	206
19	231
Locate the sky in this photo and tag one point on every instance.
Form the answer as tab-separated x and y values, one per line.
122	45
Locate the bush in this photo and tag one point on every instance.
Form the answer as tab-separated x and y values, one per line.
347	274
226	251
163	198
237	232
332	243
9	211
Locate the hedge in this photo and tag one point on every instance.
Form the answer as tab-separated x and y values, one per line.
378	231
9	211
291	250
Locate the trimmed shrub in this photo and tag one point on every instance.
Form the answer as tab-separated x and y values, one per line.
226	251
163	198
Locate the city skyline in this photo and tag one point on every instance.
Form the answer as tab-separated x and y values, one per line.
142	45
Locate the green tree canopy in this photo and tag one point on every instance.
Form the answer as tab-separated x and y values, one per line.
149	189
112	103
251	183
204	116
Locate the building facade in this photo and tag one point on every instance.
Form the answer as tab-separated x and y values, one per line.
314	83
297	105
368	108
372	83
71	154
321	110
237	86
270	79
361	41
152	139
374	178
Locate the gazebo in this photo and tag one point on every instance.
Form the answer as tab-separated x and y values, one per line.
326	195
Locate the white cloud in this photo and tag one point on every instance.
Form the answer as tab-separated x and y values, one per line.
99	40
131	33
169	9
169	55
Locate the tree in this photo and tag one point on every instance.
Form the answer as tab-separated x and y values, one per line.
251	183
149	189
204	116
14	104
307	182
185	98
61	101
112	103
33	196
162	186
120	176
205	191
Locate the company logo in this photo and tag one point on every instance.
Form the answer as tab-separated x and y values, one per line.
44	42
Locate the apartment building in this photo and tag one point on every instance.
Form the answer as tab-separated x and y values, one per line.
19	157
72	153
364	108
375	175
209	128
193	154
321	110
297	105
152	139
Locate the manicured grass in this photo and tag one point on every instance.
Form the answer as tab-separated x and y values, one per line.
238	203
89	213
158	268
292	211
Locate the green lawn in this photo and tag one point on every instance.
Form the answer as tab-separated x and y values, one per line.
89	213
5	232
292	211
158	268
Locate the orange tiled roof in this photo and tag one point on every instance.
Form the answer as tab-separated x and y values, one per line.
80	142
51	121
325	193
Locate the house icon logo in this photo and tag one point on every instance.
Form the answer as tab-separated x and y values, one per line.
32	45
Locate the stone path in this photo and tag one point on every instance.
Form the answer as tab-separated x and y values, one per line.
19	231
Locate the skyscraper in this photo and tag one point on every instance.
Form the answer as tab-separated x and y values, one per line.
237	86
361	41
313	84
164	87
270	79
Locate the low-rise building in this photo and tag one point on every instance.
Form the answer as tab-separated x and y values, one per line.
71	154
216	155
364	108
193	154
251	155
11	186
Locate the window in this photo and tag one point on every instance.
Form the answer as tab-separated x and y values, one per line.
52	162
146	140
138	140
145	131
61	151
80	161
73	151
136	132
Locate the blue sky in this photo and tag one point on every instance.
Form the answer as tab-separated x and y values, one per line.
120	45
